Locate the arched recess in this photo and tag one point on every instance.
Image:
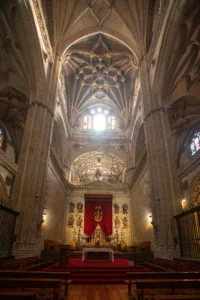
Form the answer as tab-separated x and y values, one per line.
138	148
25	60
178	64
59	139
97	167
3	192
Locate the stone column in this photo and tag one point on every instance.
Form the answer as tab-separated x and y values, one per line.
160	163
30	180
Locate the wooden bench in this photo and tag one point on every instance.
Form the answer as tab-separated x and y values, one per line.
177	297
65	276
32	283
132	276
26	263
157	267
12	295
150	286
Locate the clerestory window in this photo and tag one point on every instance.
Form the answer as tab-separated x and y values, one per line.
99	119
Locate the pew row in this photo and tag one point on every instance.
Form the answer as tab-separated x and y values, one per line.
26	263
38	284
169	286
132	276
64	276
18	295
177	297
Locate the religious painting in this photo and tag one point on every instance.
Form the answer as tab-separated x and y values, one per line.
79	207
116	208
125	223
98	215
71	207
125	208
79	221
71	221
117	222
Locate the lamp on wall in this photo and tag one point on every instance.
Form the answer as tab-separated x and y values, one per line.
150	219
44	215
183	203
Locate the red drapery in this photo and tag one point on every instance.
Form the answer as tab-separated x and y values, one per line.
105	202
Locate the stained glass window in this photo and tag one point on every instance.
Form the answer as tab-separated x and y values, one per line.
111	122
99	119
2	135
195	143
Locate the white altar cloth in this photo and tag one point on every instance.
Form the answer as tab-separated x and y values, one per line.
107	250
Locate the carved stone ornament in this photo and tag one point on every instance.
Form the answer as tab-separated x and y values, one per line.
100	9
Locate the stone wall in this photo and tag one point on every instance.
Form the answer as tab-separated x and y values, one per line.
141	209
53	228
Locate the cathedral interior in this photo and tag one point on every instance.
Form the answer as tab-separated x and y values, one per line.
100	125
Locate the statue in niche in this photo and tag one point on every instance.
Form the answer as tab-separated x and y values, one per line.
71	221
125	208
71	207
117	222
79	221
125	222
116	208
79	207
98	215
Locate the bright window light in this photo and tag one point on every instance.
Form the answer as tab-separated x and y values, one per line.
99	109
92	111
99	122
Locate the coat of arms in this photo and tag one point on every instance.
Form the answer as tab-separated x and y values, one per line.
98	215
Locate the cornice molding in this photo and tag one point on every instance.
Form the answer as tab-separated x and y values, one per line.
36	6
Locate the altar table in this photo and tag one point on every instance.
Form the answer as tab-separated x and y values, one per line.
98	254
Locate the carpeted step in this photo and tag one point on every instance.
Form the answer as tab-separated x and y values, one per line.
98	281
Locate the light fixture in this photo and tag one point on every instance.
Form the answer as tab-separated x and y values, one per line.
44	216
183	203
150	219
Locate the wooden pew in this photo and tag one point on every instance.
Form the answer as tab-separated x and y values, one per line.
171	285
26	263
132	276
32	283
177	297
18	295
65	276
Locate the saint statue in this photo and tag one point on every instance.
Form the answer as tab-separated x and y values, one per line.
125	222
117	222
98	215
79	221
71	221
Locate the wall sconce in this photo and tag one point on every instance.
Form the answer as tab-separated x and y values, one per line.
150	219
44	216
183	203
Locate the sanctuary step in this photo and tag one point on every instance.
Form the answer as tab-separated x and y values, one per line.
87	273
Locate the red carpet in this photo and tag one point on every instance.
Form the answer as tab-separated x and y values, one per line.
96	272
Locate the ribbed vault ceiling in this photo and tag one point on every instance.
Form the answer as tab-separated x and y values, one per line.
100	70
